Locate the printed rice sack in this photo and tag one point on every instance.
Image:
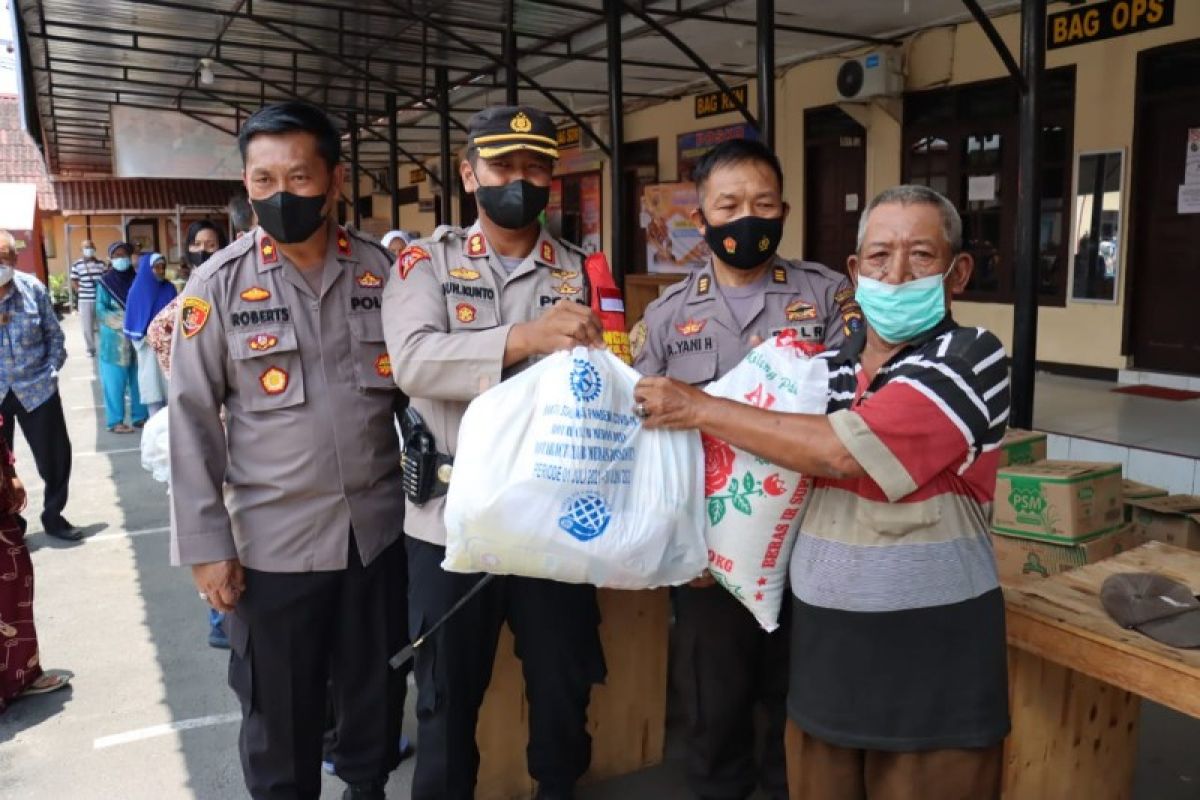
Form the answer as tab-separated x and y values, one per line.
556	478
752	506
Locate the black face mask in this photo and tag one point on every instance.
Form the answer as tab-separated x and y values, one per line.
514	205
290	218
197	258
746	242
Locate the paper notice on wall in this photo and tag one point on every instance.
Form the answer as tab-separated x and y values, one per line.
852	202
1189	199
1191	166
981	188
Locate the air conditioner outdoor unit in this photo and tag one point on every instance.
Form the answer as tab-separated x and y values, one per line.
876	74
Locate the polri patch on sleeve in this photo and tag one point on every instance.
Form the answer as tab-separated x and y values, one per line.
409	259
193	314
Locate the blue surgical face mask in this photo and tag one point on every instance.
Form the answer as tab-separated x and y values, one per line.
902	312
121	263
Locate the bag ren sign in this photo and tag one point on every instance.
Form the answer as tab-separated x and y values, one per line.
1100	21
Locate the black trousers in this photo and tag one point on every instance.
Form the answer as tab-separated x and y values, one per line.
555	627
45	430
296	636
727	667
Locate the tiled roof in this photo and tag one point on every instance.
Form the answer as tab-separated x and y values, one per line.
109	195
20	159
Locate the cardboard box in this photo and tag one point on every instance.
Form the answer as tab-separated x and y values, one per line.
1132	490
1058	501
1174	519
1022	447
1018	557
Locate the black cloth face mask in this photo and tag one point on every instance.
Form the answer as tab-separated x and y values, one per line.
746	242
197	258
290	218
515	205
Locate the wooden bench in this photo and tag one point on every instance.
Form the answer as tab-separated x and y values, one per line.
1077	678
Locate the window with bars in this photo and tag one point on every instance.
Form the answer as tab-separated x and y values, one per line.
962	142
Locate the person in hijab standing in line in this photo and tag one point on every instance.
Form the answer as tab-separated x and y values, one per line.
118	366
151	292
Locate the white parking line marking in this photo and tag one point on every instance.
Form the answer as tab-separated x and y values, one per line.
101	537
166	729
108	452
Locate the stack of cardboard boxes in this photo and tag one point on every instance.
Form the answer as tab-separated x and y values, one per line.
1052	516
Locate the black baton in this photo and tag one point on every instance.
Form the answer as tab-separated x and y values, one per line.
401	658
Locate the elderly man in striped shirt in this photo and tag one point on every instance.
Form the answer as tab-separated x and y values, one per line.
898	679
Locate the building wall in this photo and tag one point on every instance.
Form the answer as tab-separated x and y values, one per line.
1079	333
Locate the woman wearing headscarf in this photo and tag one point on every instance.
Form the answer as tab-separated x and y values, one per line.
204	239
151	293
21	672
118	365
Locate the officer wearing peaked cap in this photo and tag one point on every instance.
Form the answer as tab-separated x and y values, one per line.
290	512
696	332
464	310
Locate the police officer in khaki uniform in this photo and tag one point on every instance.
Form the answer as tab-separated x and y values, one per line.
290	512
463	311
696	332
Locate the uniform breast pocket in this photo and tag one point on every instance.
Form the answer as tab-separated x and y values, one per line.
267	368
694	368
372	365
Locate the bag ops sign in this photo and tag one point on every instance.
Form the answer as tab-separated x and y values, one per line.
1098	21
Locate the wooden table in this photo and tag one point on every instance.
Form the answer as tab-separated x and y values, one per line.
627	715
1077	678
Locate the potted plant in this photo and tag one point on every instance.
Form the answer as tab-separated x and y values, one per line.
60	294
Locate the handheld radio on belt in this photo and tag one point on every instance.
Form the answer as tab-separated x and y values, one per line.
425	473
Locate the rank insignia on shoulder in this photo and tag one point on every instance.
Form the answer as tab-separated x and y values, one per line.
476	245
691	327
383	366
845	294
409	259
547	253
780	275
567	289
369	280
267	251
798	311
702	285
564	274
343	242
193	314
255	294
465	312
262	342
464	274
274	381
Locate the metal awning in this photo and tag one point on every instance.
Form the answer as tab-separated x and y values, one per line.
140	195
85	55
